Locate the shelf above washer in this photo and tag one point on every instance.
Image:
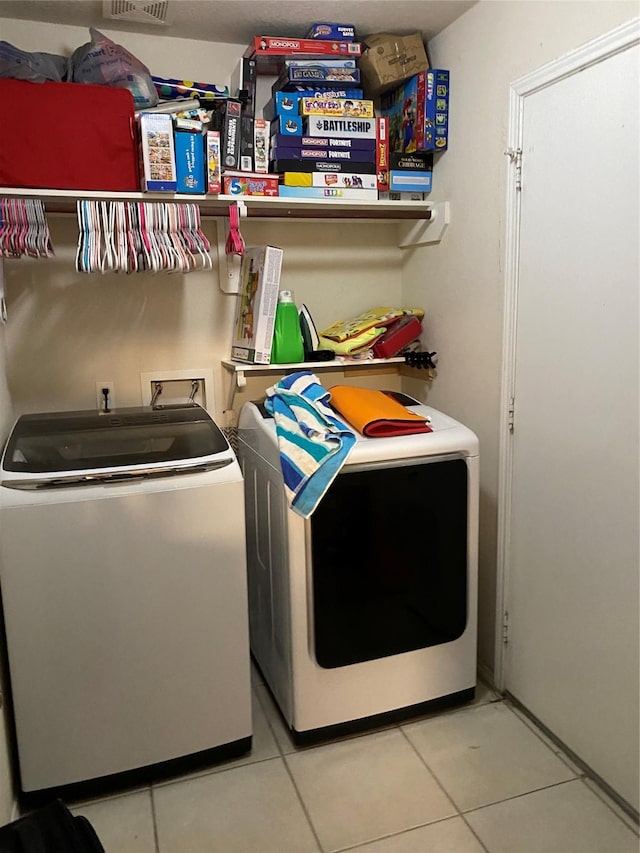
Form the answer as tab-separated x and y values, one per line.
238	370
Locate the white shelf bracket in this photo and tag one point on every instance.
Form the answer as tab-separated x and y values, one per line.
423	232
237	380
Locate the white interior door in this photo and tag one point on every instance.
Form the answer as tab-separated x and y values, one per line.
572	556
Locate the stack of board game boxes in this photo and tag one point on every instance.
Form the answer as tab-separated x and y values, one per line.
324	138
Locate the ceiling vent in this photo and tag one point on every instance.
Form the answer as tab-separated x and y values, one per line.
140	11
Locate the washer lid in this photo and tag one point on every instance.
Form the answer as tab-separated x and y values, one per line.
87	440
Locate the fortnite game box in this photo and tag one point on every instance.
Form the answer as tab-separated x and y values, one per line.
321	141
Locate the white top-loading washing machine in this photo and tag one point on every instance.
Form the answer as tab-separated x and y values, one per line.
366	610
123	577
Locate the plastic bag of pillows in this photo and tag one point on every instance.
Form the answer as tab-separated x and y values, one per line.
105	63
34	67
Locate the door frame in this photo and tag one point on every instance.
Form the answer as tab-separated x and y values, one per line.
609	44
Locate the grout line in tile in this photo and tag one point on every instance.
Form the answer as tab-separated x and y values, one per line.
518	796
155	825
475	834
619	812
431	773
582	772
402	832
302	803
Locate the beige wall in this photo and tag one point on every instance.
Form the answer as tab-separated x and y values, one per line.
461	280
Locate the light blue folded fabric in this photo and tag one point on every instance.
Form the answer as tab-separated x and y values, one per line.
313	442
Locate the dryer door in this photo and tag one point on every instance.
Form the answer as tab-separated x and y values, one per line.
389	560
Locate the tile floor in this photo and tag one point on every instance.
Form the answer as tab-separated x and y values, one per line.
467	780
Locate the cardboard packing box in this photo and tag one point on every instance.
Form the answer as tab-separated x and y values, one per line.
389	59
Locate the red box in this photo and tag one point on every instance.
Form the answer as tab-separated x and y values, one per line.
382	153
68	136
250	183
397	336
283	46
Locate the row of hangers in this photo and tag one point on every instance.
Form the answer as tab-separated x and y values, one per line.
24	229
127	236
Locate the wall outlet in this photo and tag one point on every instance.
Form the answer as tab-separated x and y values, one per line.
105	396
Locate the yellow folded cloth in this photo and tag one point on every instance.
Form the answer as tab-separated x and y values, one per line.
378	317
374	413
362	341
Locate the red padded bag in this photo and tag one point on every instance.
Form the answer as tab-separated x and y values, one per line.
68	136
397	336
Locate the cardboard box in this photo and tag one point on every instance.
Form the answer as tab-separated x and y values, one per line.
436	116
290	164
329	31
261	145
225	118
397	195
361	128
287	103
409	181
281	139
157	154
389	59
382	153
57	149
418	112
214	180
323	76
348	180
247	144
282	152
256	306
189	148
274	45
418	161
250	183
341	107
286	126
345	193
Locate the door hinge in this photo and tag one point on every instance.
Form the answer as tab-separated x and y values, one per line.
505	628
515	155
511	413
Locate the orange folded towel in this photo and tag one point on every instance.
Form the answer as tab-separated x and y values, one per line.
374	413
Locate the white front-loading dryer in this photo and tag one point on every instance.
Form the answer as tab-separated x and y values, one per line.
365	611
123	577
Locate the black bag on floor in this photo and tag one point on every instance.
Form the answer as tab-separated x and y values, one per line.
51	829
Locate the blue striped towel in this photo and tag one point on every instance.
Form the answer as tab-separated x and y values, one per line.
313	442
